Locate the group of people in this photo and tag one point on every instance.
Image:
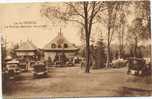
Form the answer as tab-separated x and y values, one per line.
62	60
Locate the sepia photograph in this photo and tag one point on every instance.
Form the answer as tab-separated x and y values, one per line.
76	49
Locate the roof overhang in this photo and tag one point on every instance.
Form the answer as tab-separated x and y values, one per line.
60	50
18	50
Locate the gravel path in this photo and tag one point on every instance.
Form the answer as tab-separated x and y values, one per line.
73	82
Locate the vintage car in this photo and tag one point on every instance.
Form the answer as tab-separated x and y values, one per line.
23	66
12	68
76	60
39	69
4	74
118	63
32	63
70	62
136	66
147	70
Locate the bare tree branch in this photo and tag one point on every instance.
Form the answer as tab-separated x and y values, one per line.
74	20
71	5
91	17
98	8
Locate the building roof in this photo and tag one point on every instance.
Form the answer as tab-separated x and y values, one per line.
26	46
13	62
8	57
59	41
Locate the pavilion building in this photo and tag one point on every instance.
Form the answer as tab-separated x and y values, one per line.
58	47
26	50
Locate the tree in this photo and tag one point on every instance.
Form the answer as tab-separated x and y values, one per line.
121	31
115	22
3	50
110	22
99	54
110	28
83	13
136	32
142	10
121	26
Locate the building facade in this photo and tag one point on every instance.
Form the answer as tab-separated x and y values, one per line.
26	50
59	48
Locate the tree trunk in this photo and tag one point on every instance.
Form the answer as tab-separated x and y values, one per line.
136	45
122	41
108	46
87	34
87	56
108	56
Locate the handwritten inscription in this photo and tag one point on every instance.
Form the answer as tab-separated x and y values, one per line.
26	24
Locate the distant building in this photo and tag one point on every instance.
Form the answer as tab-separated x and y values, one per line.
26	50
58	47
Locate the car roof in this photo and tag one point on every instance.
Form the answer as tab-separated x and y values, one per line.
13	62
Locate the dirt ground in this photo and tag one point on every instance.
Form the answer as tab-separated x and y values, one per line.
73	82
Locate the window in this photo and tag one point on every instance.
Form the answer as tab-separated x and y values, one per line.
59	46
53	45
65	45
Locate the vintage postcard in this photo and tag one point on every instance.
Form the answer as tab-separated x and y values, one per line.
76	49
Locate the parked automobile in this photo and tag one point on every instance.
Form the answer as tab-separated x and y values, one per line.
12	69
136	66
4	74
118	63
76	60
32	63
147	70
70	62
23	66
39	69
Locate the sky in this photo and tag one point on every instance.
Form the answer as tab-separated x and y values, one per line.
41	34
43	30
